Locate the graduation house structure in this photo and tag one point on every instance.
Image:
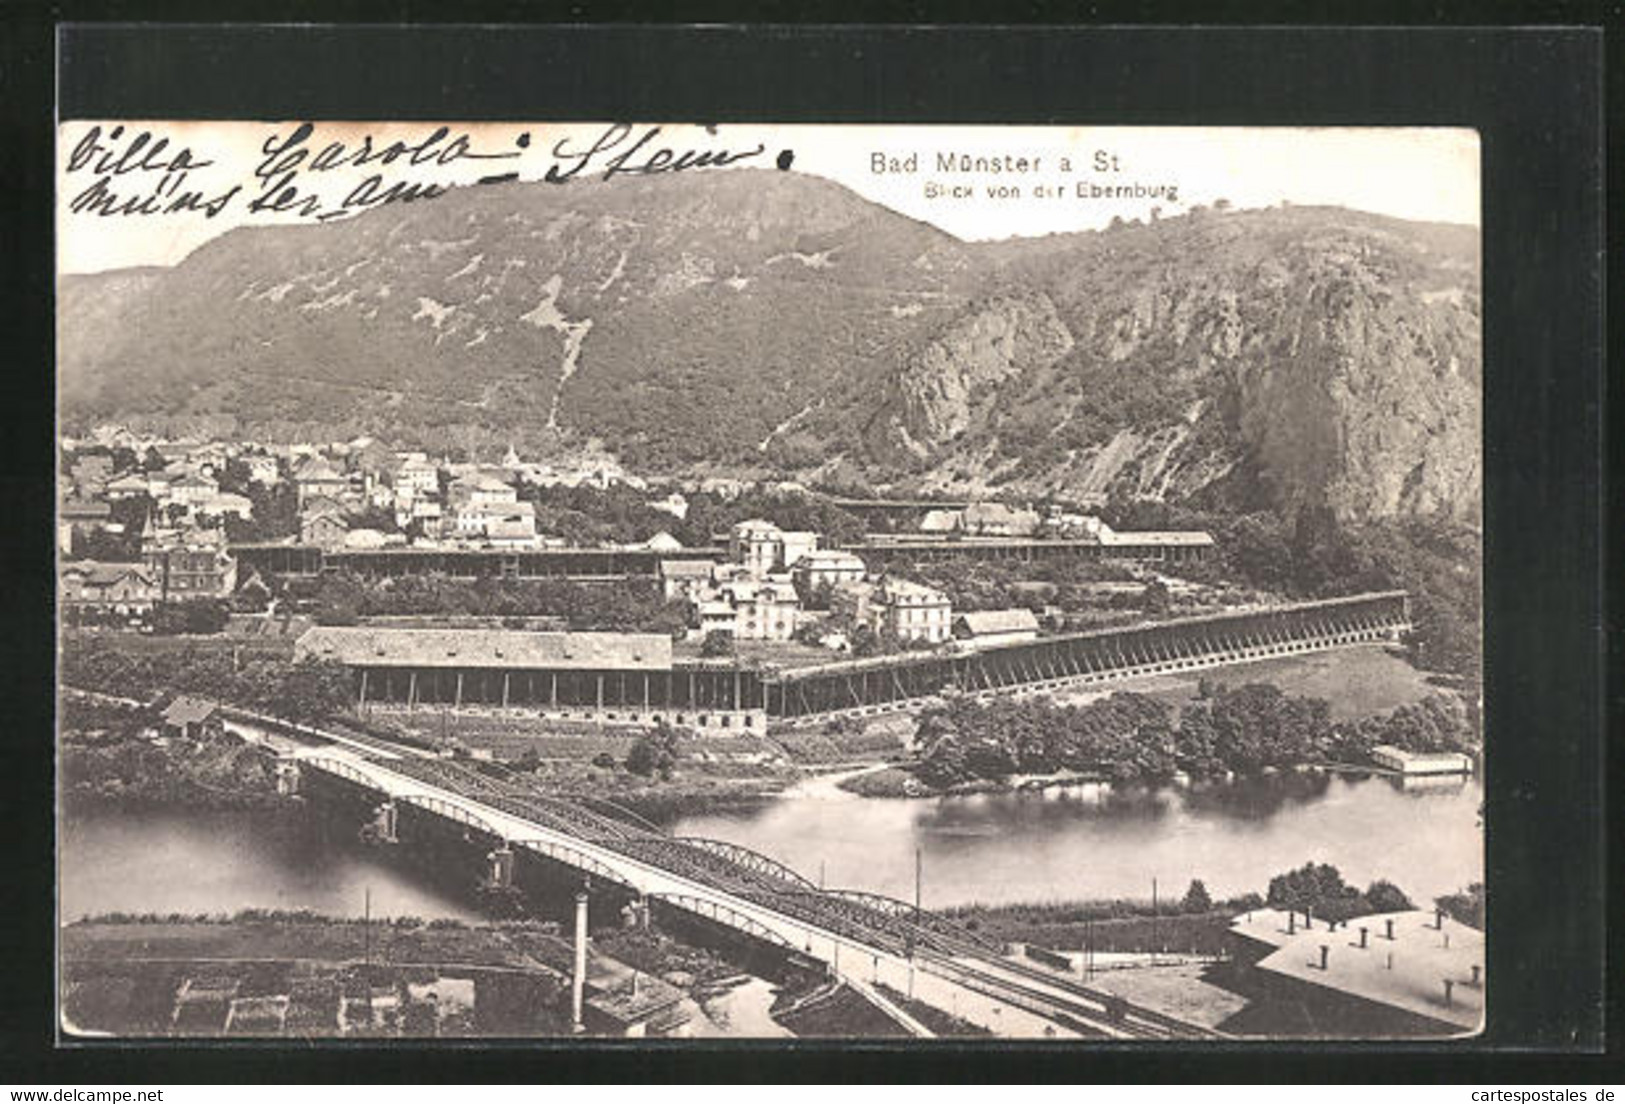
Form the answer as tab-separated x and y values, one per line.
606	677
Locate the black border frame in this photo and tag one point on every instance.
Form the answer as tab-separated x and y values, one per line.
1534	93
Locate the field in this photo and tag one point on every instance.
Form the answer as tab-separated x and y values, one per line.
1357	681
1063	928
306	978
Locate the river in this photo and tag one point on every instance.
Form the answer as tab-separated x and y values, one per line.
1090	842
191	861
1070	843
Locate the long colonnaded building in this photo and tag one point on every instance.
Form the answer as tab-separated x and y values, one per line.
603	677
632	678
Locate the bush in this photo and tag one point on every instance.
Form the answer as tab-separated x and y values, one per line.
1385	896
196	617
1465	906
654	753
719	643
1196	898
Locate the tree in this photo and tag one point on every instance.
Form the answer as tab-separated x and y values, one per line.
944	761
1465	906
313	690
1196	898
252	597
1155	599
1319	889
718	643
655	752
195	616
1385	896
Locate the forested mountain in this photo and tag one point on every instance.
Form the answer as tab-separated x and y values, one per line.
755	322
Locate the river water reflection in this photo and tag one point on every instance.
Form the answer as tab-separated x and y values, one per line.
1091	841
207	862
1057	844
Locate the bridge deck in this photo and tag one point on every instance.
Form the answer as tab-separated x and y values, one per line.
852	933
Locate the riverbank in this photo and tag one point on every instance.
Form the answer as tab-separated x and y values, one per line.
903	780
132	768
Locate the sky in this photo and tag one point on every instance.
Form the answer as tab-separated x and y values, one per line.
1053	179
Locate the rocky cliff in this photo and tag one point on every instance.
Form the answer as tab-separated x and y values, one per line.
758	322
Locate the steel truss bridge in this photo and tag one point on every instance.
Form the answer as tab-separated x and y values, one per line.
864	937
872	685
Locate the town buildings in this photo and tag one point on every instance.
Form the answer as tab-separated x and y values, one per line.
317	477
90	588
751	608
820	569
188	564
904	610
763	548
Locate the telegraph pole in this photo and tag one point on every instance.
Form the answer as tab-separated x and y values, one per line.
916	885
366	945
1156	921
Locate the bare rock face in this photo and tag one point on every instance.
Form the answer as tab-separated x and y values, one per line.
1374	407
955	379
773	323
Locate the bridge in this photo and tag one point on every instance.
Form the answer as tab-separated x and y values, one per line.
1079	659
863	938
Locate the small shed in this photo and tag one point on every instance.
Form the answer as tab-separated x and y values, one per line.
191	718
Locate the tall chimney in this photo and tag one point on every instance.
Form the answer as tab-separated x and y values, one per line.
1291	922
578	981
1308	920
1390	924
1477	974
1362	937
1324	951
1438	919
1448	986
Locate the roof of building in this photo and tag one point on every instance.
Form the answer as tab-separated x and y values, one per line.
686	569
1405	756
997	513
131	481
511	528
1414	982
831	558
106	574
990	622
185	710
499	509
756	525
893	589
480	481
1157	536
939	521
75	509
193	479
663	542
317	470
378	647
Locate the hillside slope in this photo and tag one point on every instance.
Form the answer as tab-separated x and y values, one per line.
750	321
